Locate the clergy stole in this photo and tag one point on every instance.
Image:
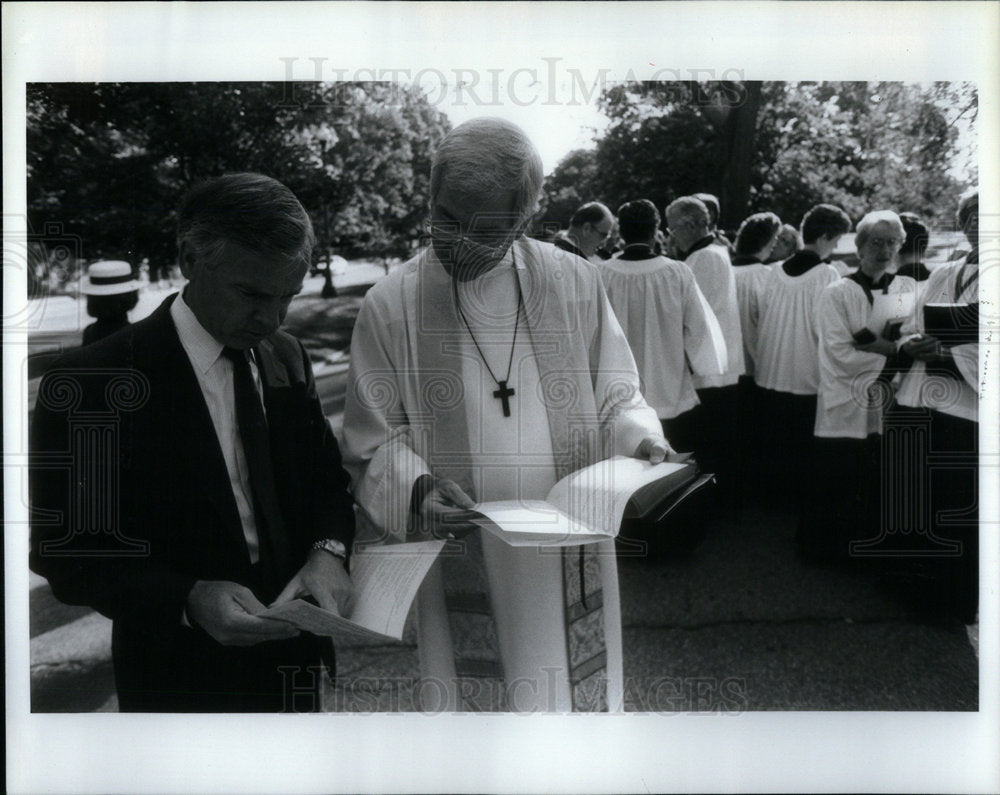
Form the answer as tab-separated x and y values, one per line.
564	369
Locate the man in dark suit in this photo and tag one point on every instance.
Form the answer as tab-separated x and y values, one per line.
184	476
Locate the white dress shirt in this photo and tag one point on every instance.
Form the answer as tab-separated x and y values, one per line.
215	377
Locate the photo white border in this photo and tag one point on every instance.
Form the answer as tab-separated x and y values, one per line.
757	751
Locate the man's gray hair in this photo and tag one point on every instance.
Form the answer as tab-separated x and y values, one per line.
690	209
864	227
251	210
485	157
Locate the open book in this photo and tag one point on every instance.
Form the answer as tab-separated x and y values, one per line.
589	504
386	578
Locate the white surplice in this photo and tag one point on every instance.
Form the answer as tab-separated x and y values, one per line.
390	440
787	344
947	284
750	280
670	327
714	273
845	373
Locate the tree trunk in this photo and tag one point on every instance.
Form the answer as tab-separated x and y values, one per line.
736	149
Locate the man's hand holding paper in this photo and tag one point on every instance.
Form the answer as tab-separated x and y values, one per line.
324	578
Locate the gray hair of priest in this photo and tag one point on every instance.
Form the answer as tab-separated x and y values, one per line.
692	210
487	156
873	218
251	210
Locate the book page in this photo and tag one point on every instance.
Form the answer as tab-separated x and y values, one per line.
534	523
596	496
386	579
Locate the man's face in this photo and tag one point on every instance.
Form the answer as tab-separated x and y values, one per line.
594	235
242	297
682	230
827	244
470	241
784	245
880	248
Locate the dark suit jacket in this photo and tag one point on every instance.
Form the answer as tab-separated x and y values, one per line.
131	504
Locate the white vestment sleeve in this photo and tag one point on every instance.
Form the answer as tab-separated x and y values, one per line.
378	444
967	362
704	343
848	370
617	395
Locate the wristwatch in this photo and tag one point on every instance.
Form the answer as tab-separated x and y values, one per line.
332	546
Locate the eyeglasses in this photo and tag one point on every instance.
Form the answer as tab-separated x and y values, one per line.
885	242
449	233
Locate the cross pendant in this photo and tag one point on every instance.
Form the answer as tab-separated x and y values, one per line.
503	395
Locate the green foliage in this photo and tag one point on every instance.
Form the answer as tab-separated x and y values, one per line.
862	146
109	162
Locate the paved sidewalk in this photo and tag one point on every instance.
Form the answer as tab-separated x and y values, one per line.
741	625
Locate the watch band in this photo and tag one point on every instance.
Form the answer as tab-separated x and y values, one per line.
331	545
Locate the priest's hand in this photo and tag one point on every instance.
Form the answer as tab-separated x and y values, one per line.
445	511
653	448
228	612
924	349
324	578
880	346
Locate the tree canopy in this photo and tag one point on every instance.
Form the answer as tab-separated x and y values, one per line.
109	162
774	146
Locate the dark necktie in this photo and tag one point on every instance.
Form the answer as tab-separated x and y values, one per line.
257	451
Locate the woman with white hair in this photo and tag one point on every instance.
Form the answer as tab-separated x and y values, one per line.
858	323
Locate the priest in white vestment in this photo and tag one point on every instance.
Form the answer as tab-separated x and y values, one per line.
487	368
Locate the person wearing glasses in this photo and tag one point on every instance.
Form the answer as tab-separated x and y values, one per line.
487	368
858	335
589	229
671	329
690	228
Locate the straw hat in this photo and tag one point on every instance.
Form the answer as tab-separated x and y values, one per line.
110	277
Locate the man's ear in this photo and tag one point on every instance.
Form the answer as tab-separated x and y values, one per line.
188	259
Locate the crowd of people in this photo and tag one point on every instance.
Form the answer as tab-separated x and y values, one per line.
794	377
184	477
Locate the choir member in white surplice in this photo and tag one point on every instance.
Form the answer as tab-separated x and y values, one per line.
486	368
669	325
787	349
755	240
857	359
942	386
688	222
